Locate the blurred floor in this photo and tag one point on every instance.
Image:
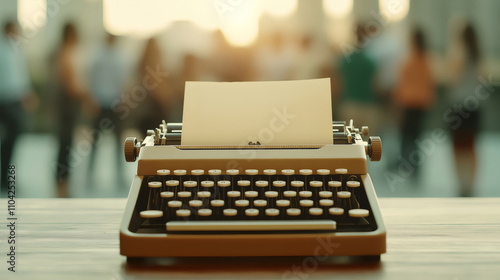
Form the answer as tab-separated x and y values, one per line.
35	170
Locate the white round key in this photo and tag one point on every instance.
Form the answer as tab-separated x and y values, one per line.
305	194
305	172
195	203
243	183
154	185
353	184
241	203
252	212
251	171
293	212
315	211
232	172
184	194
190	184
207	184
283	203
306	203
261	184
205	212
163	172
260	203
271	194
297	184
340	171
336	211
272	212
323	171
326	202
167	194
180	172
269	172
344	194
148	214
214	172
325	194
251	194
172	183
316	184
287	171
279	184
335	184
183	213
197	172
290	193
358	213
174	203
204	194
230	212
223	184
233	194
217	203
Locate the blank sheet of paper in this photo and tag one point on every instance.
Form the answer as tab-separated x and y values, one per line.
236	113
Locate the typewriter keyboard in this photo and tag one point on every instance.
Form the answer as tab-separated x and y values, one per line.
207	201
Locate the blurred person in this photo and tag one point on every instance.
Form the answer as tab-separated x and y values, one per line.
357	85
274	60
193	69
464	74
414	93
151	73
16	95
309	60
70	97
107	77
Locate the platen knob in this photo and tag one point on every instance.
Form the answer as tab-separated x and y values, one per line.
130	149
375	148
365	130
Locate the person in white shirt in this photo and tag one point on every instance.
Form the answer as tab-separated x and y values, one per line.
107	79
16	94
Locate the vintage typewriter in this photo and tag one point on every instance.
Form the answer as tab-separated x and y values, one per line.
287	200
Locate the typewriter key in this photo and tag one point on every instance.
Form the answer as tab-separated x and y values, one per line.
326	202
358	213
207	184
148	214
344	194
316	184
353	184
305	172
251	172
163	172
315	211
323	171
306	203
261	184
283	203
297	184
252	212
260	203
293	212
325	194
336	211
335	184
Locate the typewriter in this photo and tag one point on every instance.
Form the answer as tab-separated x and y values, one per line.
287	200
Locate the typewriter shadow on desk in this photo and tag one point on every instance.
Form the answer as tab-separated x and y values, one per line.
285	267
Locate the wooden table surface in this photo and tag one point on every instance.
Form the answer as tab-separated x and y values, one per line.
428	238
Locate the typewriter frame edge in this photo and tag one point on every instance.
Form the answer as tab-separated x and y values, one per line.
303	244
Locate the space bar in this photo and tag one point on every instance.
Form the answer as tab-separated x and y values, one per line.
251	225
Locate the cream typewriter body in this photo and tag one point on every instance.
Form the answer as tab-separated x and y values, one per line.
252	200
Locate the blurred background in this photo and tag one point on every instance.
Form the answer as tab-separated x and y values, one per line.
78	76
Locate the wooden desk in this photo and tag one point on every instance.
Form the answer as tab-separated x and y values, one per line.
428	238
